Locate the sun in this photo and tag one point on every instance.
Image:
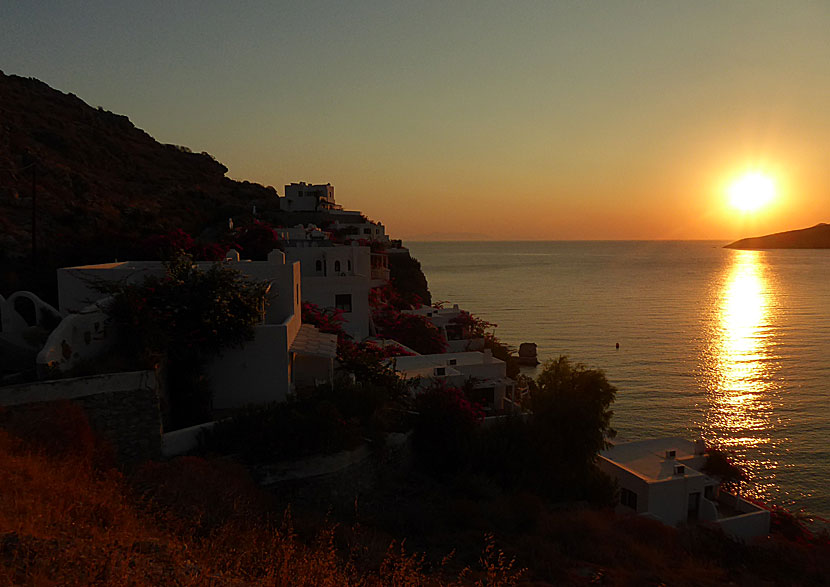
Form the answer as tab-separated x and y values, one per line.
752	191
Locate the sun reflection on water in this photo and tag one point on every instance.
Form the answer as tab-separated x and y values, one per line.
739	368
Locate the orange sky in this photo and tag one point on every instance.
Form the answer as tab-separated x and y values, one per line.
529	120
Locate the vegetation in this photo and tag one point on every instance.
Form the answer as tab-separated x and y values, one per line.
414	331
324	420
70	519
185	318
719	464
406	277
551	452
73	520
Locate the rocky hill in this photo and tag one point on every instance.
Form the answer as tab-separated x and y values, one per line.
101	184
815	237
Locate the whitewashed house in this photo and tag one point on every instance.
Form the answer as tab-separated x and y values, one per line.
304	197
459	338
486	374
661	478
355	225
302	236
337	277
283	354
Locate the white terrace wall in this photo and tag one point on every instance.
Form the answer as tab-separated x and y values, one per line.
257	373
123	408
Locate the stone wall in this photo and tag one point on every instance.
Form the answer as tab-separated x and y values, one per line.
123	408
337	480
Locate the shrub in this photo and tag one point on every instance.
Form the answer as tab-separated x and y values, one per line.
187	317
257	240
416	332
329	320
283	431
445	429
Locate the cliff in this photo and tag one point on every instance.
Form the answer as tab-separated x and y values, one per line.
815	237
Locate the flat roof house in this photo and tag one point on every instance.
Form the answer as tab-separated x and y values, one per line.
488	375
449	322
304	197
661	478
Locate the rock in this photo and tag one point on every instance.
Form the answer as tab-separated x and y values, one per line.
527	354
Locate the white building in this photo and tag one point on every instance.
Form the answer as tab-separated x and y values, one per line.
303	197
337	277
487	375
355	225
661	478
302	236
283	354
459	338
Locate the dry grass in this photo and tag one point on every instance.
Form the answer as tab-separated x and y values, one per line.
66	519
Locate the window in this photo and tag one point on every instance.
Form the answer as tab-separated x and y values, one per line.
440	371
367	231
298	293
318	265
349	264
337	266
452	362
628	498
486	396
343	302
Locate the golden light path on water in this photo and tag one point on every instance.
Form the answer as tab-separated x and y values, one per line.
739	369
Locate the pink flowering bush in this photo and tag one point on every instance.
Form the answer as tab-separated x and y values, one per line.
256	240
177	241
328	320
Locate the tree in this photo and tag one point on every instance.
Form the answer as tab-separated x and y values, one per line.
186	317
571	408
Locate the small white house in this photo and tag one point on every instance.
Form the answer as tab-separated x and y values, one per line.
337	277
487	374
661	478
357	226
302	236
304	197
459	338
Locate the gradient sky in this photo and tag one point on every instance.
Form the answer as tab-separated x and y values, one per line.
505	120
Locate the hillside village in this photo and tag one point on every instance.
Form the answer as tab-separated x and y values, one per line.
336	272
296	338
324	290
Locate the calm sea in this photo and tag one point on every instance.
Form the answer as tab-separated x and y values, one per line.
730	345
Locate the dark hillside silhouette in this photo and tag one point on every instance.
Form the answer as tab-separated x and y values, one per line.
101	184
815	237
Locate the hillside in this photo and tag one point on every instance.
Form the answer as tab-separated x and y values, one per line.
101	184
815	237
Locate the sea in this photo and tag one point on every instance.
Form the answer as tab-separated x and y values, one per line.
731	346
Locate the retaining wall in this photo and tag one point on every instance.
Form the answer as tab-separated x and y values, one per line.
123	408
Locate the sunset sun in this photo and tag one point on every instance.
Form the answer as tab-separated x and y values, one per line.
751	192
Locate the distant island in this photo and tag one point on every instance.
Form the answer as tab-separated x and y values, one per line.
815	237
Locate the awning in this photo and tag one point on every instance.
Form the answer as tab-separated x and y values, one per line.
313	343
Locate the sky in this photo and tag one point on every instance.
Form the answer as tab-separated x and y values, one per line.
471	120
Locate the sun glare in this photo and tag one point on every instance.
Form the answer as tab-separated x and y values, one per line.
751	192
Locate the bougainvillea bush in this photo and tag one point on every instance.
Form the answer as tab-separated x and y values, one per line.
186	317
177	241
